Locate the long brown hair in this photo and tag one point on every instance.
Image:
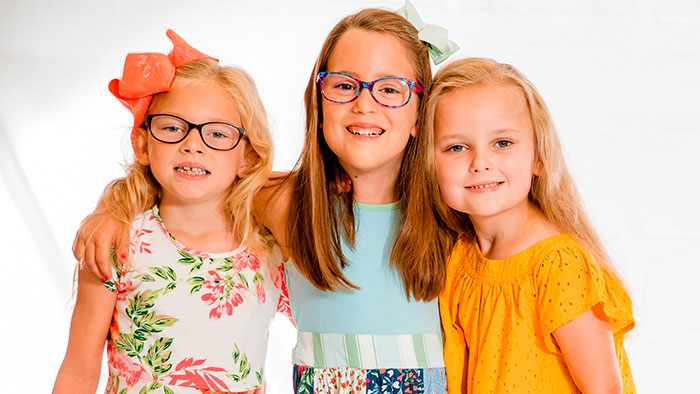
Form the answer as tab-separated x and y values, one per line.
126	197
553	192
320	216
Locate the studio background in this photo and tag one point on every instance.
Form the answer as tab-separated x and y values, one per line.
620	78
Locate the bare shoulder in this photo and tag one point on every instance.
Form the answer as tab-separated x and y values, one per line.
271	204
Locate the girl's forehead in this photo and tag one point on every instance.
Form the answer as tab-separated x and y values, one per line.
197	101
369	55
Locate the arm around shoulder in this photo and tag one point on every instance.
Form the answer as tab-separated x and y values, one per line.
271	206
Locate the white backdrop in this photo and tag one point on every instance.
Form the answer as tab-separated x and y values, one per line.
620	77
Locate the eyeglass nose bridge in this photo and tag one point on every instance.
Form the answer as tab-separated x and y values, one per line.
365	85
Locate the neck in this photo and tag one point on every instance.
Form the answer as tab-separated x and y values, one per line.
507	233
201	226
376	187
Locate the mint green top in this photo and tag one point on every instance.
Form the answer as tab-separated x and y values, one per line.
380	306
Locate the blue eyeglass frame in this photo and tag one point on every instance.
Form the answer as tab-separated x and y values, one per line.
320	78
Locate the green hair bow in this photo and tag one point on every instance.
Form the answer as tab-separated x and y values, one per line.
439	46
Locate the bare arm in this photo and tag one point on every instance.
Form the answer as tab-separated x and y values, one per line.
93	242
80	370
271	206
588	348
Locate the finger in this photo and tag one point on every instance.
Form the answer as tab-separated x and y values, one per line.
88	260
78	247
101	256
121	246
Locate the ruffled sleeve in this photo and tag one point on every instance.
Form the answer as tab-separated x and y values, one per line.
455	348
570	283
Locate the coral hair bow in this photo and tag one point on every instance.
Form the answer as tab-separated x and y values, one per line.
146	74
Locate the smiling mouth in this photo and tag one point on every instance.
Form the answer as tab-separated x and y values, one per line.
485	186
192	170
369	132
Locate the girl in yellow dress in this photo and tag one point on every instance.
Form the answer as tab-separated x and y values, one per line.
532	304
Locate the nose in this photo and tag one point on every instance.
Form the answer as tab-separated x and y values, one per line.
365	102
480	161
193	142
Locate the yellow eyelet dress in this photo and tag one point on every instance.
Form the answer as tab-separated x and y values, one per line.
498	316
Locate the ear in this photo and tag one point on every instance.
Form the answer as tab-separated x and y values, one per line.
250	158
537	168
139	142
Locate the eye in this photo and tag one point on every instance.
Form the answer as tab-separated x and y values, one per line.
390	90
456	148
503	143
173	129
344	86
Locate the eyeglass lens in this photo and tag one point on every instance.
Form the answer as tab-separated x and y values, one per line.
216	135
389	91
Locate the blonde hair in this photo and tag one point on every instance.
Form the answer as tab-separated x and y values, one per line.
553	191
319	215
124	198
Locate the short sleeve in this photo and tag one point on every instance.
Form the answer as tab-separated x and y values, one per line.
570	283
455	347
283	305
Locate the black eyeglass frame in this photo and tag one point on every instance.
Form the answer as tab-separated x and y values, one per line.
190	126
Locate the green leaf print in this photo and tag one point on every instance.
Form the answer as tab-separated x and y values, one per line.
186	257
233	376
124	390
141	302
128	344
226	266
307	381
258	277
154	386
197	282
170	287
236	352
159	272
170	272
195	289
162	369
167	390
141	334
154	323
145	278
243	280
144	390
157	357
244	363
259	375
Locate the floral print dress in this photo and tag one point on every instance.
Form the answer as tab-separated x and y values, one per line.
191	322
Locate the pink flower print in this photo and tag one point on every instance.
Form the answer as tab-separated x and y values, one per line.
260	289
223	293
123	289
283	305
246	259
131	372
137	245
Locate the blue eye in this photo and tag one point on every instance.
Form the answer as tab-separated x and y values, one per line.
457	148
503	143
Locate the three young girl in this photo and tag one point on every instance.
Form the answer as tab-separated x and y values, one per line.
363	221
189	311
